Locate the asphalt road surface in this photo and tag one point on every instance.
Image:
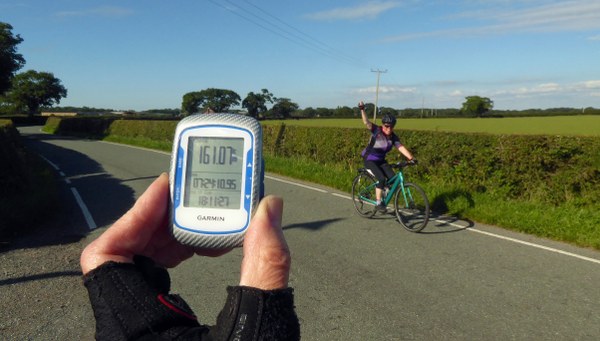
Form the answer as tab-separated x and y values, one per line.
354	278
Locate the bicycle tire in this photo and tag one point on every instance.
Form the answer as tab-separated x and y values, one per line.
412	213
363	186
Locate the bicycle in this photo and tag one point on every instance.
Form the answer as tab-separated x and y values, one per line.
410	202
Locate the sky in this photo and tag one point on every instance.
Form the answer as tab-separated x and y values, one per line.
140	55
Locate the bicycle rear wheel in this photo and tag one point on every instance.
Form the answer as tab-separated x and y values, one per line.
363	194
412	209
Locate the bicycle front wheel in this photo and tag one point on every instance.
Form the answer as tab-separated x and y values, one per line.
363	194
412	207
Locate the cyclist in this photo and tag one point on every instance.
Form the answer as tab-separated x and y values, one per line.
383	139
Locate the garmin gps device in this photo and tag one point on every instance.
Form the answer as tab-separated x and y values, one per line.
216	179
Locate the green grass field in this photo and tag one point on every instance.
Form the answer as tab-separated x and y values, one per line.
551	125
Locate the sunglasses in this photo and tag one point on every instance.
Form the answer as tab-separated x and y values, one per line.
388	126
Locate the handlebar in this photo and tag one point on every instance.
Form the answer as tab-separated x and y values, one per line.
402	164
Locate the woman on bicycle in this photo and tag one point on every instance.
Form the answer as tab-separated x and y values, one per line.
383	139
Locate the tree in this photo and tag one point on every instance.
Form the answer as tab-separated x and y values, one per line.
256	103
477	106
386	110
323	112
283	108
10	60
211	99
31	90
344	111
309	112
190	103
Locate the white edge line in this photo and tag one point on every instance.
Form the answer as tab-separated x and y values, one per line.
538	246
565	253
518	241
593	260
49	162
296	184
343	196
86	213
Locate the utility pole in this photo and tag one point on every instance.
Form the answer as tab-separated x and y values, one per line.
379	72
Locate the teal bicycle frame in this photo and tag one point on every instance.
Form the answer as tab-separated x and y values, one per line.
397	181
409	200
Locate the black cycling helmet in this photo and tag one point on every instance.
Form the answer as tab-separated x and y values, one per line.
389	119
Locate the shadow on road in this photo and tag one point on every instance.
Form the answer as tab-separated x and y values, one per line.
38	277
446	224
107	197
313	226
438	223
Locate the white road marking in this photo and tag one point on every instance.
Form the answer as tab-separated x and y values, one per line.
86	213
296	184
82	206
343	196
471	229
49	162
551	249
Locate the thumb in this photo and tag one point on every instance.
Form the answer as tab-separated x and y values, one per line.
266	262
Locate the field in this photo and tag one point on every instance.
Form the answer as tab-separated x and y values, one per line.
551	125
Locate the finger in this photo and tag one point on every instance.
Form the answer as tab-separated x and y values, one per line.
266	262
132	232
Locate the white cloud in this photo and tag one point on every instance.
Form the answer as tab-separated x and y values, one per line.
99	11
389	89
537	90
576	15
369	10
594	84
513	94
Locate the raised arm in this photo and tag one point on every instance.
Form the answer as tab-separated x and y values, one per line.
365	119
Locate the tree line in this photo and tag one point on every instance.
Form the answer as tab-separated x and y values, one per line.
221	100
215	100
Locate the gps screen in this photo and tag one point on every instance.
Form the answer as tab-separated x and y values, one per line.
213	177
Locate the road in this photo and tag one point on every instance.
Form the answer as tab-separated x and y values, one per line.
354	278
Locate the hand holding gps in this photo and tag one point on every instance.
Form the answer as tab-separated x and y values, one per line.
216	179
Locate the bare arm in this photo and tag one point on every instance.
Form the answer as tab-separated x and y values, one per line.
405	152
365	119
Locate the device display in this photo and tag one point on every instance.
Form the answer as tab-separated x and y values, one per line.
216	178
214	173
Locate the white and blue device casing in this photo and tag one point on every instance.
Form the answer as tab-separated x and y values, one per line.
215	227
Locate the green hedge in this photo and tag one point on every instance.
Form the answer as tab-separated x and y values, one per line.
550	169
544	185
27	185
93	127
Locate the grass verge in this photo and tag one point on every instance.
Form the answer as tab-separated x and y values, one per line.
576	225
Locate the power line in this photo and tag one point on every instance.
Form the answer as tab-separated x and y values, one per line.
268	25
311	40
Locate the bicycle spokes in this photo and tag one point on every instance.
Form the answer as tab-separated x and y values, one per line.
412	207
363	194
